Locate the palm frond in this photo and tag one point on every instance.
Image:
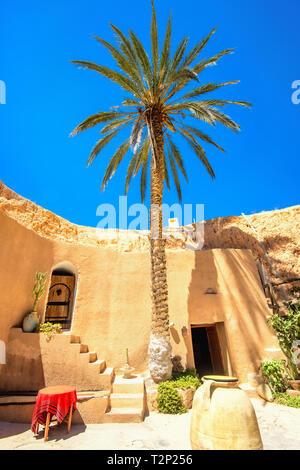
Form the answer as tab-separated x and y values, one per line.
175	174
222	118
136	162
130	102
154	42
95	119
136	133
166	171
115	162
117	123
217	102
125	82
126	47
198	111
197	49
201	135
101	144
165	54
177	157
143	58
124	63
198	151
207	88
211	61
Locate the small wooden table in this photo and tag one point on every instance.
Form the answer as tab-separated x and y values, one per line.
59	401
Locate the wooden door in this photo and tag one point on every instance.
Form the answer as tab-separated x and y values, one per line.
215	350
60	300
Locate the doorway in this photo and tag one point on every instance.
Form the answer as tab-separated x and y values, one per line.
61	298
207	351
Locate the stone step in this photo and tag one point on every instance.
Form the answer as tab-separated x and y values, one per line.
126	400
89	394
84	348
99	365
106	377
134	385
89	356
123	415
74	339
76	347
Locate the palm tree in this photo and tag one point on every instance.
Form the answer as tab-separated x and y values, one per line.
155	112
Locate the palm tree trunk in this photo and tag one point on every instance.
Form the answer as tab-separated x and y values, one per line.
159	351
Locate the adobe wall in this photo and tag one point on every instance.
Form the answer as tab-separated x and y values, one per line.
112	305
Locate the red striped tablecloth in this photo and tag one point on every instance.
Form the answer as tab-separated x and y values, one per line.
55	400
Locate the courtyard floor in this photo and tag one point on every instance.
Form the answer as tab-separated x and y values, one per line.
279	426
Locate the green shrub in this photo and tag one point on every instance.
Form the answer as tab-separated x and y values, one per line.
287	400
168	398
274	373
187	379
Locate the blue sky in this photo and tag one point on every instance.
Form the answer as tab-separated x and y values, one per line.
47	97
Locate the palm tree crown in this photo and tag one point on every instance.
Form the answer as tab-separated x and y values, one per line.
156	85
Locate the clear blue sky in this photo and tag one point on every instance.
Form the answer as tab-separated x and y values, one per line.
47	97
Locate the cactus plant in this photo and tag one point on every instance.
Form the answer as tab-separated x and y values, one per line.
39	287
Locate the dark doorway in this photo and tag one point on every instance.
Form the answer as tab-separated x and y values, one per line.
207	352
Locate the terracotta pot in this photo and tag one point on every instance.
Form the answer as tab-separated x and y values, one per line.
223	417
30	322
295	384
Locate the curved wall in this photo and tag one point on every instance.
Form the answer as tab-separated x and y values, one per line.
112	306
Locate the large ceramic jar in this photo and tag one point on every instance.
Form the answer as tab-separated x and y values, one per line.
31	320
223	417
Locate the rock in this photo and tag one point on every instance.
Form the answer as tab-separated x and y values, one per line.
254	380
186	396
159	352
264	391
152	400
293	393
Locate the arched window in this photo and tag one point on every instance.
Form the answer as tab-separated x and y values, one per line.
61	295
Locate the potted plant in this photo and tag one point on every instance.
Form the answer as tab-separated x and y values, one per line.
49	329
287	329
32	319
127	369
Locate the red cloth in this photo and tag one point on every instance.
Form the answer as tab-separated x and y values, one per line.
55	400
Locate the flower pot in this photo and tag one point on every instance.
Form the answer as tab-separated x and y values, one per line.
295	384
30	322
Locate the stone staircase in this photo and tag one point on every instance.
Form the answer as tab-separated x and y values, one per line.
127	401
96	375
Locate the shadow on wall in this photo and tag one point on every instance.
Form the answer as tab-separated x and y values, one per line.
226	236
24	370
240	302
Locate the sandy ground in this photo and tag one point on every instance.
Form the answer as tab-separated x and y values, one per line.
279	426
